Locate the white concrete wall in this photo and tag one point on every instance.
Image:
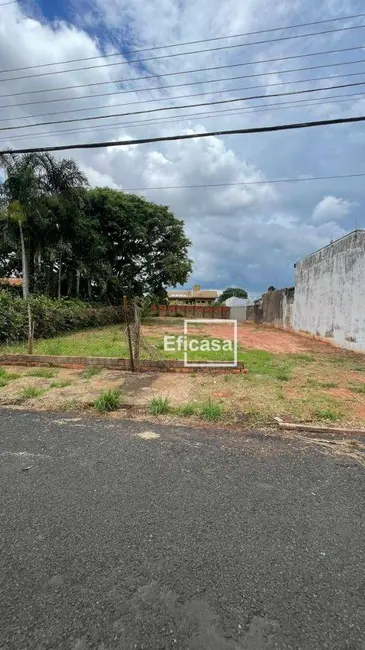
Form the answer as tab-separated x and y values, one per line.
330	292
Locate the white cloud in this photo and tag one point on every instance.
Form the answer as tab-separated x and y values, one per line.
248	235
331	208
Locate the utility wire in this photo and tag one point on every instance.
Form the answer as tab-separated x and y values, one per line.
203	40
190	83
256	108
185	72
165	99
189	136
176	54
13	2
267	182
184	106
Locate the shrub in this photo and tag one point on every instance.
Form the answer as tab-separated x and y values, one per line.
211	411
158	406
108	401
50	316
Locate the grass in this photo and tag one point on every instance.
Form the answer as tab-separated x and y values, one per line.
31	391
211	411
159	406
63	383
326	414
187	409
314	383
41	372
357	388
109	400
6	376
91	372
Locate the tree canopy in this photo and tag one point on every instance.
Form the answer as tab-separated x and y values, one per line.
232	292
70	240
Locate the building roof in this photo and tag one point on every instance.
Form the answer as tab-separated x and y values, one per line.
349	234
192	293
13	281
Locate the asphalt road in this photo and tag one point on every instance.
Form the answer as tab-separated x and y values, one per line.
191	540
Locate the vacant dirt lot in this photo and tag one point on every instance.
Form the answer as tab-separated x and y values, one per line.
250	336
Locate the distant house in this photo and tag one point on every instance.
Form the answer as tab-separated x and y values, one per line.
15	282
194	296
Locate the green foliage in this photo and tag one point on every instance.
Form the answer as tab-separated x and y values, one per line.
51	317
91	372
41	372
357	388
187	409
159	406
31	391
62	383
326	414
6	376
232	292
96	244
211	411
108	401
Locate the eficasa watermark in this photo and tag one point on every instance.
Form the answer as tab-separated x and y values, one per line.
186	343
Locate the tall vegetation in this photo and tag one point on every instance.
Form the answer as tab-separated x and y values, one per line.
67	240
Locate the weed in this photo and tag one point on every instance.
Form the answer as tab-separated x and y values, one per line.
300	356
41	372
3	382
211	411
31	391
326	414
282	375
356	368
281	394
63	383
321	384
108	401
159	405
7	376
357	388
187	409
90	372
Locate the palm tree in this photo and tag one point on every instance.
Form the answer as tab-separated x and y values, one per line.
19	194
61	179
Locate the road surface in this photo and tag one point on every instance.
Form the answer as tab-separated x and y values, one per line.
118	534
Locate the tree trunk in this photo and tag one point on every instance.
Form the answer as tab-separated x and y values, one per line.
89	289
59	276
78	274
24	264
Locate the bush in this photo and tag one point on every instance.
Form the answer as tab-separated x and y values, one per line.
159	406
108	401
51	317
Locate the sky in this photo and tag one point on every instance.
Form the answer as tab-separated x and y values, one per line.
242	235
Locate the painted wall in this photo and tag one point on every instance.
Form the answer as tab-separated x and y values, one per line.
277	308
330	292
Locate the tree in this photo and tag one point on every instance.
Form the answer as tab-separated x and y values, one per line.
19	195
146	249
61	179
232	292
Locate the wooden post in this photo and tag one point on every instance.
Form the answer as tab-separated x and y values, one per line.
125	308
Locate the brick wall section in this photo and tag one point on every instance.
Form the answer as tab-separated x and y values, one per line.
192	311
148	365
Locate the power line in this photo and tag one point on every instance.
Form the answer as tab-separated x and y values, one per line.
13	2
204	40
171	108
176	54
189	136
191	83
165	99
160	121
185	72
234	184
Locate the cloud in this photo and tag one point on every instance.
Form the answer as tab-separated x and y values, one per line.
244	234
331	208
